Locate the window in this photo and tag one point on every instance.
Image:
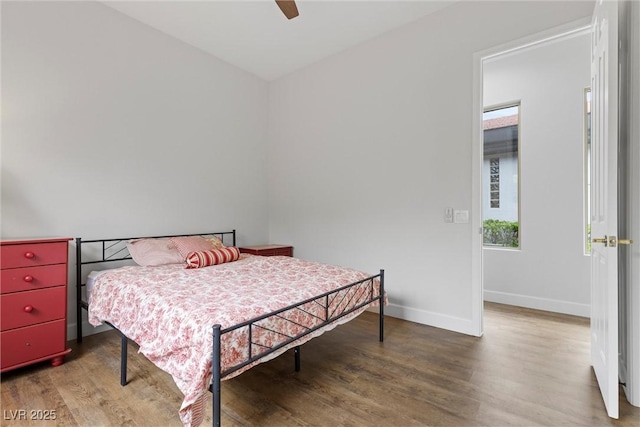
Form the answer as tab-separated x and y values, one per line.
501	187
587	170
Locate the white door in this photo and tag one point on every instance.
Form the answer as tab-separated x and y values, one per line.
604	201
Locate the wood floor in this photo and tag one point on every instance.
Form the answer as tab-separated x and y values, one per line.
530	369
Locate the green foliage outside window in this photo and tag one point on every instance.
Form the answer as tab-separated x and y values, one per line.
500	233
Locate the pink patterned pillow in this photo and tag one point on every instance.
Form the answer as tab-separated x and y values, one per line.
147	252
199	259
188	244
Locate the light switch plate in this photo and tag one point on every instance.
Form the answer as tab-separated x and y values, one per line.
461	217
448	214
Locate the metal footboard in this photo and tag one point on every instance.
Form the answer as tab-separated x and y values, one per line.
368	285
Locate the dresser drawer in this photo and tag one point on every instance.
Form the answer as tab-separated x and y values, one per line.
268	250
32	342
276	252
32	254
31	307
29	278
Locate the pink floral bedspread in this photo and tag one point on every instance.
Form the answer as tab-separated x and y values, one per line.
169	311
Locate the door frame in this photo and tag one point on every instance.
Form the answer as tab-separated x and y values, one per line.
477	297
629	17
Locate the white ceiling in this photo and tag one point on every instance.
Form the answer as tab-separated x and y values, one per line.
255	35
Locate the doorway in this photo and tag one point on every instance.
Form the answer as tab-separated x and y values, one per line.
631	54
544	266
506	75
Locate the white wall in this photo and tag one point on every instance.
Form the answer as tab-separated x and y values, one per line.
551	270
113	129
369	146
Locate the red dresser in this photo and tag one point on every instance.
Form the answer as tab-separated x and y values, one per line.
33	302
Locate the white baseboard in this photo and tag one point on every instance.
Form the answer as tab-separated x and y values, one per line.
87	329
438	320
556	306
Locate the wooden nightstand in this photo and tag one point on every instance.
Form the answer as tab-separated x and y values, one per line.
268	250
33	298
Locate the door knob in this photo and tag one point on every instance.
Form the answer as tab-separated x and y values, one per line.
611	241
604	240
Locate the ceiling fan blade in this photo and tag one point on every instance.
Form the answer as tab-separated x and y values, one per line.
288	7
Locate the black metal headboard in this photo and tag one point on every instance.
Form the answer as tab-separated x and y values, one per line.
115	250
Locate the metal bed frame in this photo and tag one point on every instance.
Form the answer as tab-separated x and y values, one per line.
115	250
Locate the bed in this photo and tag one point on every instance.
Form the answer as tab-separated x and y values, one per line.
211	322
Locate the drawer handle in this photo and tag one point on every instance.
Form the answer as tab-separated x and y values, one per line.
29	255
28	309
28	278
